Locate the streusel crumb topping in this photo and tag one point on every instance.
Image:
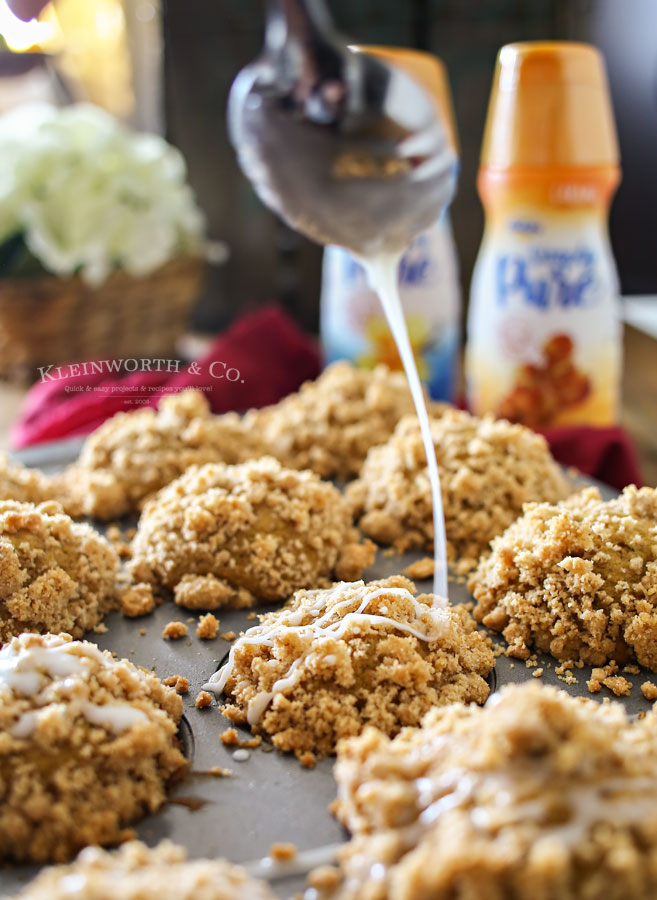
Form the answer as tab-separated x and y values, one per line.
133	455
537	794
488	469
135	872
88	745
330	423
225	535
55	574
332	661
577	579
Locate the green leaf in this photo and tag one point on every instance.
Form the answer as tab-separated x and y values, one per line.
16	260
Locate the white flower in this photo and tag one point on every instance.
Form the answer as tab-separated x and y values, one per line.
89	196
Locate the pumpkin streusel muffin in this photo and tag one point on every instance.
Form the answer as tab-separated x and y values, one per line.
227	535
330	423
488	468
535	796
25	485
577	579
332	661
135	872
328	426
133	455
55	574
88	745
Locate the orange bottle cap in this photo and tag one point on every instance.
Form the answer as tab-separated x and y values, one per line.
426	69
549	106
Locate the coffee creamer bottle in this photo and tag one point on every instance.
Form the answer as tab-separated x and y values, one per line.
353	325
544	336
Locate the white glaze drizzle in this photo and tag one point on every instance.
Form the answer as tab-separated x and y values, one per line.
382	274
428	625
45	674
499	800
303	862
115	717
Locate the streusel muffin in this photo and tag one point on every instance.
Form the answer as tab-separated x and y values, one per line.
88	745
488	468
330	423
224	534
536	795
135	872
133	455
577	579
332	661
328	426
25	485
55	574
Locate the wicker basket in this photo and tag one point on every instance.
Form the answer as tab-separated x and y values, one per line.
51	321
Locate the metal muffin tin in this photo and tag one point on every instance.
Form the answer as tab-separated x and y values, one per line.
270	797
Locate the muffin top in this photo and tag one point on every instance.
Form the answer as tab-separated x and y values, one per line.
332	661
260	529
536	787
135	872
576	579
55	574
330	423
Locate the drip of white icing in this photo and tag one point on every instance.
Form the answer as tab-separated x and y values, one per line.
45	674
498	800
115	717
429	624
382	275
26	724
28	670
303	862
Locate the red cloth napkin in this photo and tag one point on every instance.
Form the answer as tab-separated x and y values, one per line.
262	357
607	454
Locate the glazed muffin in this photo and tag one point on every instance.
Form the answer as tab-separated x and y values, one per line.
135	872
132	455
88	745
577	579
330	423
228	535
536	795
488	468
333	661
55	574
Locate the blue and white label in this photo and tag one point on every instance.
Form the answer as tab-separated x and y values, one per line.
352	321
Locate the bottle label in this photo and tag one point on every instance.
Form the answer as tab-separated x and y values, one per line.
353	325
544	341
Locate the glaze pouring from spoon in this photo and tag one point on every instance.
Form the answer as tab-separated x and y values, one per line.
350	151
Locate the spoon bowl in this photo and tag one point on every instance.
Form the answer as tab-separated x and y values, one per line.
347	149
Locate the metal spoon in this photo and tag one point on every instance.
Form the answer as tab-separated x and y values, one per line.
347	149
